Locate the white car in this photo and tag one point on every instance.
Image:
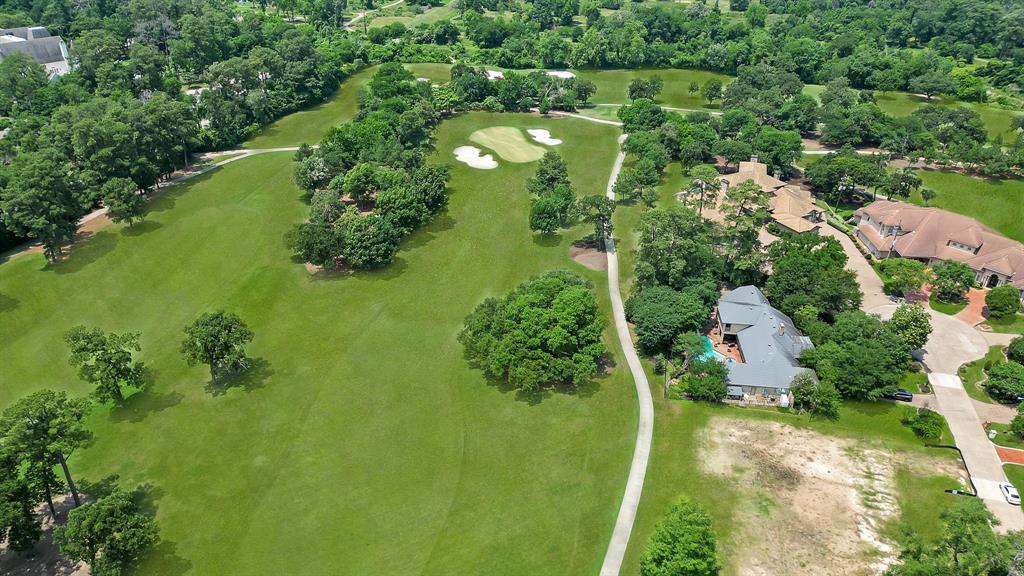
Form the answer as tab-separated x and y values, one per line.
1010	493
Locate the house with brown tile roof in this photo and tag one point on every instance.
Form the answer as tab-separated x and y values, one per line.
792	208
898	229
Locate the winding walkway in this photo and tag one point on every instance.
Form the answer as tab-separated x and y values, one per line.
645	426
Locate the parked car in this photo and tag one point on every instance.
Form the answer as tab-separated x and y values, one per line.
902	395
1010	493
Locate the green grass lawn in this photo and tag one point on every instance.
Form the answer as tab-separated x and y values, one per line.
995	203
309	126
411	18
922	499
973	374
1005	438
949	308
913	380
1013	324
360	442
1015	474
613	85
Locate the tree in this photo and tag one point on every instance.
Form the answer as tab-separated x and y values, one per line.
926	423
705	380
642	114
912	324
597	211
548	212
1003	301
815	396
1015	351
933	83
694	87
683	544
926	195
901	183
44	428
547	331
712	90
1006	381
951	280
810	270
706	184
641	88
779	149
110	534
902	275
660	314
1017	424
368	241
734	151
123	201
551	172
105	361
218	340
40	201
689	345
18	524
757	14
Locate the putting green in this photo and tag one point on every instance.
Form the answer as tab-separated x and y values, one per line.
508	142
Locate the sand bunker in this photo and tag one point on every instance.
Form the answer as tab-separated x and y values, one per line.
544	137
508	142
561	74
589	256
470	155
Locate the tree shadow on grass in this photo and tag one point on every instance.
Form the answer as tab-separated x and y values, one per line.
424	235
140	228
252	378
163	560
7	303
87	248
144	403
547	240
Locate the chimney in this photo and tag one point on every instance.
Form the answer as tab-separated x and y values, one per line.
753	157
782	329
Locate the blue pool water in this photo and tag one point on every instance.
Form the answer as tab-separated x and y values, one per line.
711	354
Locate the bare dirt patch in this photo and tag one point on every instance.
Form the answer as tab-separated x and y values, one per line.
45	558
811	504
589	256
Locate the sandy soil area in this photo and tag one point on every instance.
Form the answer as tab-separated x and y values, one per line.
812	504
45	558
543	136
588	256
470	155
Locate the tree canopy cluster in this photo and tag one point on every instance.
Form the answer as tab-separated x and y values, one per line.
546	332
368	180
683	544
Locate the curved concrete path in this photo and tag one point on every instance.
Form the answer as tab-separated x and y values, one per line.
645	426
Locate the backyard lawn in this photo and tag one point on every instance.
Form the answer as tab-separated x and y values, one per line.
309	126
360	441
998	204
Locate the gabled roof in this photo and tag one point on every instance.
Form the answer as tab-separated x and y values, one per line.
42	50
927	232
771	345
755	171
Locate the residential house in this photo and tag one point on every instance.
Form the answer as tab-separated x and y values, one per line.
36	42
898	229
792	207
769	343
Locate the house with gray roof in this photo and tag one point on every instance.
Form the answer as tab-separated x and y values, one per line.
769	343
36	42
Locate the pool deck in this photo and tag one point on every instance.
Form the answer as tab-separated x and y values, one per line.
729	350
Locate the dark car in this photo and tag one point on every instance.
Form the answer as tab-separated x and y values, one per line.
901	395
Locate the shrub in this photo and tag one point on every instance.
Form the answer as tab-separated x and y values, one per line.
683	544
1003	301
817	397
1017	425
1015	351
1006	381
926	423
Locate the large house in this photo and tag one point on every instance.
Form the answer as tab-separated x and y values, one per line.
792	207
35	42
898	229
769	343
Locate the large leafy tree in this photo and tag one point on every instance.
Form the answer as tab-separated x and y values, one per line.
661	313
1006	381
218	340
912	324
105	361
683	544
110	534
546	332
951	280
41	200
122	198
810	270
677	248
43	429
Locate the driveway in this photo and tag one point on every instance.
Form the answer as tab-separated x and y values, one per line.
870	283
951	344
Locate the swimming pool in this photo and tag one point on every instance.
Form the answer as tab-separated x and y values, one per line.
711	354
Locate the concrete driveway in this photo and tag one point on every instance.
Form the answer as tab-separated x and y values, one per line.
952	343
870	283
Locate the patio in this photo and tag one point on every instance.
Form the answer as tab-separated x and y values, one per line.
718	343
